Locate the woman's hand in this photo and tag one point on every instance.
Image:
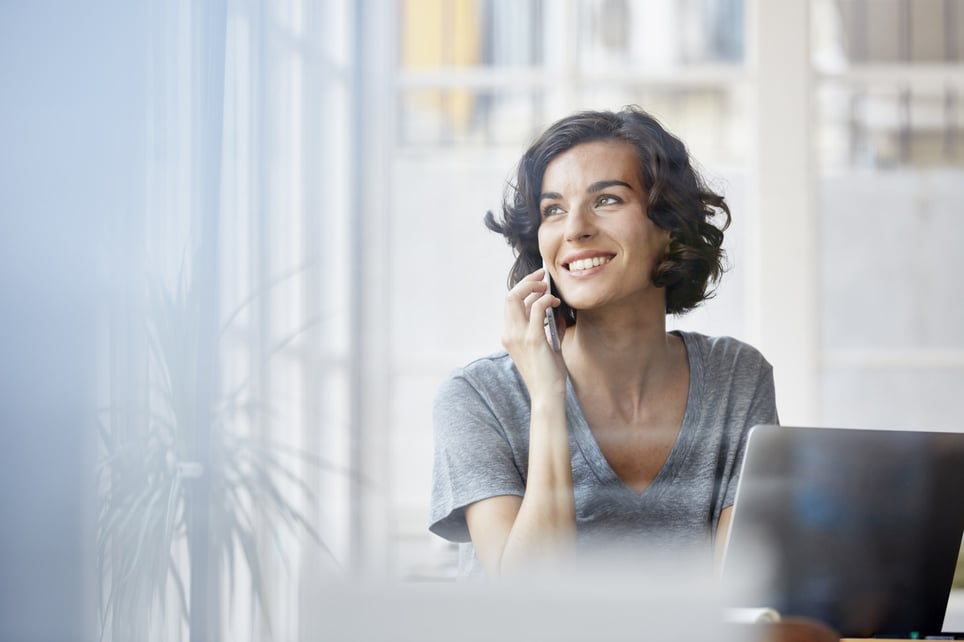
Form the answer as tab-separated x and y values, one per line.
524	336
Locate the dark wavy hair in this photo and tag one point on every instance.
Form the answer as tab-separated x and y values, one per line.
678	200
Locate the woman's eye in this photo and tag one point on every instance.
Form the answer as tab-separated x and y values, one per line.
607	200
551	210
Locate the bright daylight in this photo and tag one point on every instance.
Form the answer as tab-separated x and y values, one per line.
456	320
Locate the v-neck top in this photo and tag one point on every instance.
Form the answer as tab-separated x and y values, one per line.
481	423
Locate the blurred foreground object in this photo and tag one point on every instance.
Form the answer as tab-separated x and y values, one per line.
657	599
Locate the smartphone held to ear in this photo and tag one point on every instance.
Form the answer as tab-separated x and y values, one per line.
552	332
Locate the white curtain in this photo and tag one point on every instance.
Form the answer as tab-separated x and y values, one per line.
229	361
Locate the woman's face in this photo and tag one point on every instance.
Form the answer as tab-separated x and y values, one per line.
595	236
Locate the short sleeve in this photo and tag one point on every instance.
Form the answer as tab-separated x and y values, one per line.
474	459
762	410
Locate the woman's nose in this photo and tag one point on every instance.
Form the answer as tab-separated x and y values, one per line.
579	223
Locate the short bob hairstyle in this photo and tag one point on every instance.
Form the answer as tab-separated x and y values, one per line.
678	200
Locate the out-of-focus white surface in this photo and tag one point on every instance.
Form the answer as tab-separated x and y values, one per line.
665	603
954	619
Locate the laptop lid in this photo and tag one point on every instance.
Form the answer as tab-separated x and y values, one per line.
859	529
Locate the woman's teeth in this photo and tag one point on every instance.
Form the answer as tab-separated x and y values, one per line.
585	264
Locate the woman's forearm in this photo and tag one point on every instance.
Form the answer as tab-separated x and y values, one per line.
544	529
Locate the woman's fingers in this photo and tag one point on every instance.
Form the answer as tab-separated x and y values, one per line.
526	339
537	311
519	299
529	300
525	311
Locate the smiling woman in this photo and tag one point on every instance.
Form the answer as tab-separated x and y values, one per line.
674	195
611	207
628	436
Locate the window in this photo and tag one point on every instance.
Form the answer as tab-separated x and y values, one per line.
889	77
475	82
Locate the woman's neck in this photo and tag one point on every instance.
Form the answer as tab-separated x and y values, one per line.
620	360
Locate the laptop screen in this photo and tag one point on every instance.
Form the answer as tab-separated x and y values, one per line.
860	529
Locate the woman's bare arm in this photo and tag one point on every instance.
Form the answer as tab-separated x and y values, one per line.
510	533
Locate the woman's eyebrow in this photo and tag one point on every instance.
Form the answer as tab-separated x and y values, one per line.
599	186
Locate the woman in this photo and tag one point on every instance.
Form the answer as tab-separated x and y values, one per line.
628	435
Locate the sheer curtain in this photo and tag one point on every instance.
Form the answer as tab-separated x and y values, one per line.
231	374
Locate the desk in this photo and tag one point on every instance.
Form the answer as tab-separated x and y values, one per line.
796	629
806	630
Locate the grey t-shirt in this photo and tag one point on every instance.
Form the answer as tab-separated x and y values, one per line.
481	421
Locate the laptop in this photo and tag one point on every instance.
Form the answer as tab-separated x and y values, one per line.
859	529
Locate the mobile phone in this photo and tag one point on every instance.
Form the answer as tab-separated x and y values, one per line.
550	320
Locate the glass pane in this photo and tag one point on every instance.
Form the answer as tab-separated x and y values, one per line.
893	398
471	33
452	117
888	126
711	121
654	34
641	34
887	31
890	272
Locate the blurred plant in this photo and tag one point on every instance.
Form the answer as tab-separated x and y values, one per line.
149	471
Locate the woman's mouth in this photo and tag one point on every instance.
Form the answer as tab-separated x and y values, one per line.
581	265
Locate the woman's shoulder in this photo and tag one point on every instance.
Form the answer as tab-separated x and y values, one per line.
489	386
735	381
723	350
493	372
495	366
